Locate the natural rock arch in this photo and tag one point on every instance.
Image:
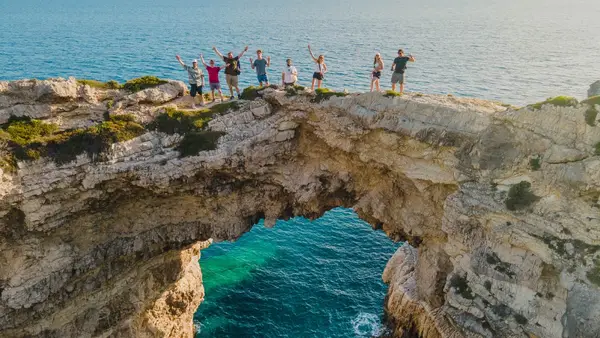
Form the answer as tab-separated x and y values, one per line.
111	247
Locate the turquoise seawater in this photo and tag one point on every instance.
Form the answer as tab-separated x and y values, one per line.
299	279
322	278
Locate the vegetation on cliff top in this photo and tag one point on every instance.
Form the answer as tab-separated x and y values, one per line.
28	139
294	90
133	85
561	101
323	94
193	126
391	93
100	85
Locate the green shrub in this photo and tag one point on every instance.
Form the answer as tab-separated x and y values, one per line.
33	139
112	84
25	130
391	93
520	196
592	101
250	93
223	108
590	116
459	283
195	142
597	149
110	103
141	83
323	94
100	85
561	101
534	164
174	121
294	90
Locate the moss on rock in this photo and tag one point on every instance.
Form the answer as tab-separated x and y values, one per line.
560	101
323	94
144	82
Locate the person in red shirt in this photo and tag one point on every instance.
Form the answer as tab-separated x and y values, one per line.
213	77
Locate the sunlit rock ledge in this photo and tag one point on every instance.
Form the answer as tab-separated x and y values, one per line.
107	200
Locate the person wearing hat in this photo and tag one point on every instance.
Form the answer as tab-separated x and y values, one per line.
376	73
289	76
196	80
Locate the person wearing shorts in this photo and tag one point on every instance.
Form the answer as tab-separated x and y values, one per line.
399	68
320	69
196	80
261	65
232	69
213	77
290	75
376	72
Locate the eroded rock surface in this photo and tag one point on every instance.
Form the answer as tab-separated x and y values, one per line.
109	248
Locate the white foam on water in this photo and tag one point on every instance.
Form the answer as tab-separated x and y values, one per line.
366	325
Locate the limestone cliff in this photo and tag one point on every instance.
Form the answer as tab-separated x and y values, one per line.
499	206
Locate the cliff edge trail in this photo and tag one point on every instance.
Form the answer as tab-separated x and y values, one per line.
109	191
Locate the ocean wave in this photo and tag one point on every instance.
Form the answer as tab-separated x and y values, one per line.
367	325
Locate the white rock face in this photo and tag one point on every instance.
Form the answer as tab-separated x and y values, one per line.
110	247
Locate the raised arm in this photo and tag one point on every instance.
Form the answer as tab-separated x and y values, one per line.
251	63
243	52
202	59
218	53
411	58
311	54
179	59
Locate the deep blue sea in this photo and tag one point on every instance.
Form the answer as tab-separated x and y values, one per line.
322	278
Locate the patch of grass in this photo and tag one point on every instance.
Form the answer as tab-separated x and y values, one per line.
223	108
198	141
520	319
590	116
144	82
534	164
33	139
323	94
597	149
560	101
459	283
520	196
294	90
174	121
251	93
391	93
594	274
100	85
592	101
110	103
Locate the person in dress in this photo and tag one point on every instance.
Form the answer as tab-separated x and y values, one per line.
196	80
376	73
213	77
289	76
320	69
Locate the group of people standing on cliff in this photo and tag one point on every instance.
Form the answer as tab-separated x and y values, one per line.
289	76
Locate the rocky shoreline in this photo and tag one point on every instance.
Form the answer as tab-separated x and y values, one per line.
499	205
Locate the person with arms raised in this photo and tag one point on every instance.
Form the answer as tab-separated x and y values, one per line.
320	69
213	77
232	69
196	80
261	65
398	69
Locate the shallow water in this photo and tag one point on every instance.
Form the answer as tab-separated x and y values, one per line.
299	279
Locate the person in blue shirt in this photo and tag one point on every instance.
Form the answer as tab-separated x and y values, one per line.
261	65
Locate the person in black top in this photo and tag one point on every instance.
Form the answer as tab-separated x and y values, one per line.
232	69
398	68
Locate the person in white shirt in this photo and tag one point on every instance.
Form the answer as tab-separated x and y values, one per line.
289	76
